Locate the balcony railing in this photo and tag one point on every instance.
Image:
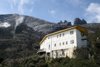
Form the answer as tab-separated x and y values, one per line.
41	51
84	38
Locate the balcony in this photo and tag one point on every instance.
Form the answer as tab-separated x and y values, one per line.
41	51
84	38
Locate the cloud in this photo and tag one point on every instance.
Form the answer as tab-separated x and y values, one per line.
75	2
22	5
13	2
52	13
93	11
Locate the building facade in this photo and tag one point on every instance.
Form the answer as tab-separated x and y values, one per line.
63	43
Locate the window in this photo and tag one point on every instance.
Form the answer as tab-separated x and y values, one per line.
72	42
66	42
55	45
63	52
49	46
60	35
63	34
56	54
57	36
82	34
71	32
63	43
60	44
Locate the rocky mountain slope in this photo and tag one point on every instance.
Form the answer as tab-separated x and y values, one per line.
13	20
20	35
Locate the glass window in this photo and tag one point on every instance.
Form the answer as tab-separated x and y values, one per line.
63	52
60	35
49	46
57	36
72	42
66	42
71	32
55	45
82	34
63	43
60	44
63	34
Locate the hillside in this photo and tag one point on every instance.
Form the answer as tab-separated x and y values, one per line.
14	20
20	35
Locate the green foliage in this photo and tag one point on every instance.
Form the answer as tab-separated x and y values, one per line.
36	61
81	53
63	62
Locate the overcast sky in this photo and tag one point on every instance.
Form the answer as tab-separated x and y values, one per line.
54	10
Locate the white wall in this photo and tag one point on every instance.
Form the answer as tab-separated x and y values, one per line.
52	40
67	37
80	42
45	45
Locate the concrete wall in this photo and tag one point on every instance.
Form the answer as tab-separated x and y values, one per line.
80	42
55	43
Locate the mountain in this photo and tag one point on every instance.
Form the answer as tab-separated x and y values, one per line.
14	20
20	34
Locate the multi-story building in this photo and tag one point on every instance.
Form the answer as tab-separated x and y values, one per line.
63	43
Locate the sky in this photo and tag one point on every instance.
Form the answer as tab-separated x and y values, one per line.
54	10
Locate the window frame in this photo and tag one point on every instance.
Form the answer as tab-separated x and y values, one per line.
63	43
55	45
49	47
60	35
71	41
66	42
71	32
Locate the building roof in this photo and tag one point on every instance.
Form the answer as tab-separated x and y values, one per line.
80	28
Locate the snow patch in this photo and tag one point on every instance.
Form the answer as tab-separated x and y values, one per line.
5	24
19	20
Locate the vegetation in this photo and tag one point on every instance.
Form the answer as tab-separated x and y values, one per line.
36	61
18	46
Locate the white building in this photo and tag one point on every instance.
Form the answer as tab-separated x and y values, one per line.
62	43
